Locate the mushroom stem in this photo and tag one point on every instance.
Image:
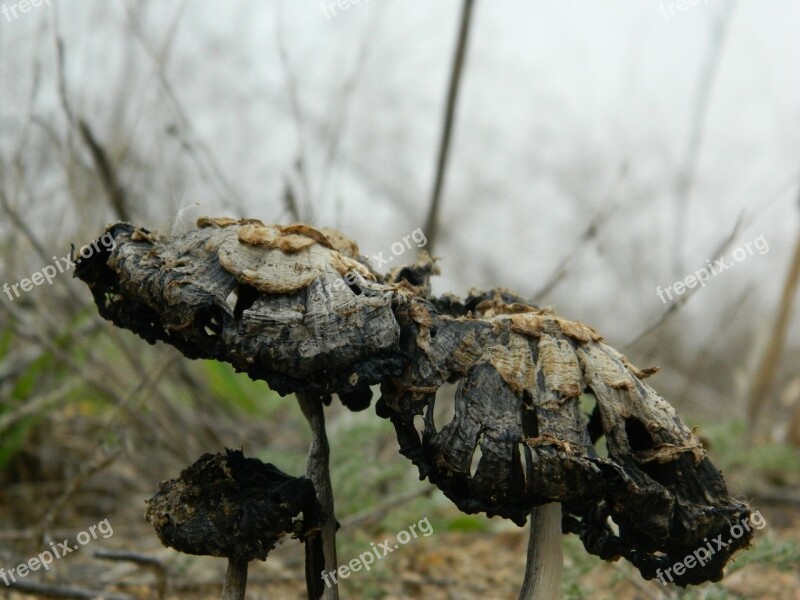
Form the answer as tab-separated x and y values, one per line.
318	471
544	568
235	580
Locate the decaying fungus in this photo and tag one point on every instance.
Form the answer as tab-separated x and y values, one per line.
230	506
294	306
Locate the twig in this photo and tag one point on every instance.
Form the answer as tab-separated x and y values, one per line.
108	175
97	465
685	179
21	226
762	381
290	200
204	160
115	193
716	340
318	471
431	224
376	512
39	403
143	560
341	111
775	496
36	78
196	585
52	591
592	229
160	57
301	162
680	302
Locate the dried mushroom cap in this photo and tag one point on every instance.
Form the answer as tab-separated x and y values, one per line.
327	236
280	260
230	506
335	335
519	437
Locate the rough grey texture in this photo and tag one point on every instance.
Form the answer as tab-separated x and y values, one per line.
310	317
230	506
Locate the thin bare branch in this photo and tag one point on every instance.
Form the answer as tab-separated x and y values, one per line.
431	223
609	206
376	513
318	471
204	159
686	176
143	560
301	163
56	591
106	171
690	292
758	395
98	464
339	118
39	403
743	222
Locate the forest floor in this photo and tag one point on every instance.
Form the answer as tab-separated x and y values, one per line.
445	565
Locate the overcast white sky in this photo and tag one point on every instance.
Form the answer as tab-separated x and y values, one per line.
557	98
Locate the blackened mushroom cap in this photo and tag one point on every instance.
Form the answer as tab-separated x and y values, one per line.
519	437
295	307
230	506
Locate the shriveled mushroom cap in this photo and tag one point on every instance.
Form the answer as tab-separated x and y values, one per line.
230	506
221	290
519	437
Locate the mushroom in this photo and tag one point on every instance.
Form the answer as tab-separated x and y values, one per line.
230	506
297	308
522	373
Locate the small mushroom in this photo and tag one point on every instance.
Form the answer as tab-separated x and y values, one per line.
230	506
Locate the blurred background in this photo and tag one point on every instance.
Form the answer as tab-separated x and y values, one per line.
600	152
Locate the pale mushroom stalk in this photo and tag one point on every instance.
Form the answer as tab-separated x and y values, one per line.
544	568
318	471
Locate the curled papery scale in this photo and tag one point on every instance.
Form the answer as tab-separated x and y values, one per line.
294	306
